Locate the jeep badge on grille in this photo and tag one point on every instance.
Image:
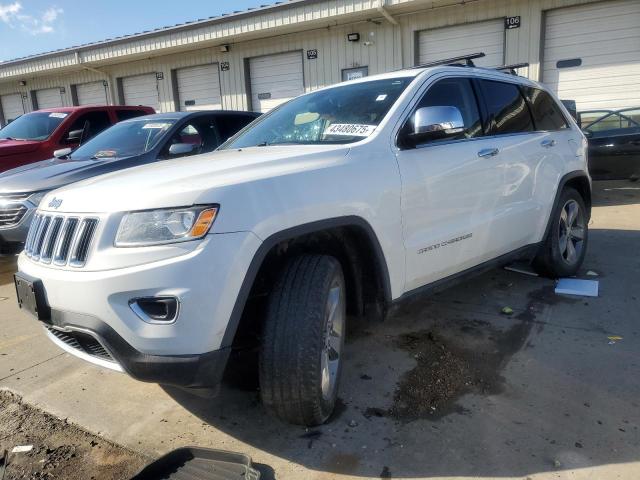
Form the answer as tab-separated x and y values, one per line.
55	202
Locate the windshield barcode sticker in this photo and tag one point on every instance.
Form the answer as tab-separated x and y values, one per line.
350	129
155	125
58	115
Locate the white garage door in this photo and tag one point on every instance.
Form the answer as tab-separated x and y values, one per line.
12	106
447	42
141	90
199	88
49	98
275	79
592	54
93	93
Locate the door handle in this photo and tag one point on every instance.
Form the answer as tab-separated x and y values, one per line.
488	152
548	143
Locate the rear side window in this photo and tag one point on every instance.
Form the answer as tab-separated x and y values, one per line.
229	125
546	113
506	107
127	114
94	122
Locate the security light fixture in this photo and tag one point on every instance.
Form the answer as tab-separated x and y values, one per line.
224	48
23	83
353	37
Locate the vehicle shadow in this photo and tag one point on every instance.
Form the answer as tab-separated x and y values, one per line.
450	386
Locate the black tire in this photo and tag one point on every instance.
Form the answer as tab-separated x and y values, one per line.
553	260
295	338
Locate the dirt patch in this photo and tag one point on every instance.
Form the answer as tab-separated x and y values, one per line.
455	359
60	450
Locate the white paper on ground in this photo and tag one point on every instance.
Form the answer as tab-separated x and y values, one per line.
575	286
22	449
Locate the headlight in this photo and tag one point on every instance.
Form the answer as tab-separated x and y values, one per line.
37	197
156	227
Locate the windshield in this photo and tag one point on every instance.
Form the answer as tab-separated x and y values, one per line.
343	114
33	126
126	139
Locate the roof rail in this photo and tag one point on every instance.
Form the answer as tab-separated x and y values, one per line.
467	59
513	67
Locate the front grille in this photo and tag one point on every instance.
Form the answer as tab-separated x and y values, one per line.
11	215
82	342
12	209
59	239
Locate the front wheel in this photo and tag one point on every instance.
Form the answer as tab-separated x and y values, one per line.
564	249
303	340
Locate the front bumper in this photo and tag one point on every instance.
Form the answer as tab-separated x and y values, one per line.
94	341
205	277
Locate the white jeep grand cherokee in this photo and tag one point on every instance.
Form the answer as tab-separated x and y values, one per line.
342	201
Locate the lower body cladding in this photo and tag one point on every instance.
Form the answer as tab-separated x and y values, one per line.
161	322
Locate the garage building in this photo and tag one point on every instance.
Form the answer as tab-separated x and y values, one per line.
585	50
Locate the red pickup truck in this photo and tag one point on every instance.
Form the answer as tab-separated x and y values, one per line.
35	136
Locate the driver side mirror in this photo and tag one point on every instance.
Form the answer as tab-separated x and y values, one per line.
74	136
181	149
435	123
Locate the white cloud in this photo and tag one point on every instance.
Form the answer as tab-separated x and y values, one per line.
35	24
8	12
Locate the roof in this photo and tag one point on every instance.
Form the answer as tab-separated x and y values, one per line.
195	113
202	21
93	107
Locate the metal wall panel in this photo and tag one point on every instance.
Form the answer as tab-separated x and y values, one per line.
12	106
141	90
447	42
199	88
49	98
94	93
605	39
274	79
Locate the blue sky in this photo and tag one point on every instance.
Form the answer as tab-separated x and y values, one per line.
36	26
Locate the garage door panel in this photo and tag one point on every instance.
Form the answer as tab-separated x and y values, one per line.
605	36
199	87
49	98
440	43
141	90
93	93
275	79
12	106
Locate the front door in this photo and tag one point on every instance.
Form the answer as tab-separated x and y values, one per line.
451	190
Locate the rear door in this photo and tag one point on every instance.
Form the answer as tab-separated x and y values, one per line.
532	159
614	146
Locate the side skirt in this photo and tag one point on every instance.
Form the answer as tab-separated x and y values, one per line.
527	252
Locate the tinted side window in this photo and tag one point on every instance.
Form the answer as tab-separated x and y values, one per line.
545	111
229	125
96	122
508	112
127	114
454	92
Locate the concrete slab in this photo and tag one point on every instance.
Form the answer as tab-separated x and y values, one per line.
563	402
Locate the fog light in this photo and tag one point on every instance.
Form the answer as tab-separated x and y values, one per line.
161	310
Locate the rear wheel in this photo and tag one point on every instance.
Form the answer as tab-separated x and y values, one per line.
565	246
303	340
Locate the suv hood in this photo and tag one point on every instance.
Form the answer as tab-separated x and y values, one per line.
191	180
13	147
57	172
